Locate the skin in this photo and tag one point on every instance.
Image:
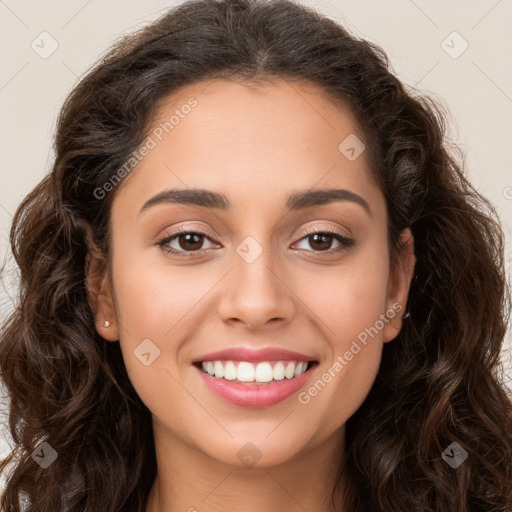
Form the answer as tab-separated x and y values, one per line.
256	145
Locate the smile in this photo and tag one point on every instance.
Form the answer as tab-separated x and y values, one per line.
248	384
263	372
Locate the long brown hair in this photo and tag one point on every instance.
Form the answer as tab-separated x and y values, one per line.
438	382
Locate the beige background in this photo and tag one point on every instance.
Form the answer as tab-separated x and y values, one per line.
476	86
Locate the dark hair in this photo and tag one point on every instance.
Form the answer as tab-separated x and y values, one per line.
438	382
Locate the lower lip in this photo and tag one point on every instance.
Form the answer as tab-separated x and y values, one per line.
256	395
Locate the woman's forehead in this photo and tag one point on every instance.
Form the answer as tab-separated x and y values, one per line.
278	139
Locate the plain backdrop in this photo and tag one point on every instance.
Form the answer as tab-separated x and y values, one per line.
457	51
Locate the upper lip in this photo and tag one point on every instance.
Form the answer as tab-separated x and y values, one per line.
247	354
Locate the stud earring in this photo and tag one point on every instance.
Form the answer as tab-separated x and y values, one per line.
106	323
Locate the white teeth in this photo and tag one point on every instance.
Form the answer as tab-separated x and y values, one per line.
219	369
290	370
300	368
210	367
229	370
245	371
264	373
279	371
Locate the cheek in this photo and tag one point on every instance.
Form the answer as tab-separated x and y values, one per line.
154	300
348	306
159	304
347	299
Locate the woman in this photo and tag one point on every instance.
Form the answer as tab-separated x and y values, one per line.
255	279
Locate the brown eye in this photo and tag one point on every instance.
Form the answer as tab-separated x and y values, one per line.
183	241
322	240
190	241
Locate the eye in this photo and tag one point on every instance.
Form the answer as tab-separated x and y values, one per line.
322	239
185	241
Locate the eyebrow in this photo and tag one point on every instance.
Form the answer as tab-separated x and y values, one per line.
296	201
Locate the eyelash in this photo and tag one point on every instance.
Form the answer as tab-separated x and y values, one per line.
346	242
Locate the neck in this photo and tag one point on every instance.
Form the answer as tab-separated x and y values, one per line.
191	481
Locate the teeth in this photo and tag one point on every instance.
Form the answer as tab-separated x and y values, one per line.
289	373
219	369
209	368
229	371
278	371
245	371
263	373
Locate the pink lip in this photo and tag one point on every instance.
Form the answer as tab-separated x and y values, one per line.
256	395
251	355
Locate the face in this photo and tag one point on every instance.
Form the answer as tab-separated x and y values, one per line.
247	271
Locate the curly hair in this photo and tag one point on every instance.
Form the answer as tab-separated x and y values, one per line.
439	380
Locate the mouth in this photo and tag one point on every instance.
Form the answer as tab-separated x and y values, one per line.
251	384
252	373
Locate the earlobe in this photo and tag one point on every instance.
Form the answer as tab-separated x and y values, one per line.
399	284
99	294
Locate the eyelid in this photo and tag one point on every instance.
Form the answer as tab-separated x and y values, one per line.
172	232
325	229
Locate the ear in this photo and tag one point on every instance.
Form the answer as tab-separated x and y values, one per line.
99	293
399	283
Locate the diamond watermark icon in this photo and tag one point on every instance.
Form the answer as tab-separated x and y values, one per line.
249	454
44	455
352	147
44	45
455	455
146	352
249	249
454	45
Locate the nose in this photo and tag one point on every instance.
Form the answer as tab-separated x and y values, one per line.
256	293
